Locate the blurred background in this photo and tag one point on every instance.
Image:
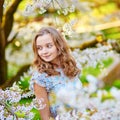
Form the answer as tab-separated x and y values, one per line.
92	30
84	23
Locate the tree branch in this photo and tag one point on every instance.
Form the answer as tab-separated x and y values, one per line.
98	27
12	39
8	18
16	77
1	9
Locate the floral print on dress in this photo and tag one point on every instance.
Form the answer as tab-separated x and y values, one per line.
52	84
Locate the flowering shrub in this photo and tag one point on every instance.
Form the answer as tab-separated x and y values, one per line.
13	105
89	102
93	56
10	106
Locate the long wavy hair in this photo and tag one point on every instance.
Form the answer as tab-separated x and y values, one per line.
67	62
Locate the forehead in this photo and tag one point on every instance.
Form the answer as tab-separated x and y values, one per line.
44	39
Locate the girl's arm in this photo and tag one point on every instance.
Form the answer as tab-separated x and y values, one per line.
40	92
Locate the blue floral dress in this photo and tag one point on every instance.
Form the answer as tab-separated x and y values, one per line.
53	84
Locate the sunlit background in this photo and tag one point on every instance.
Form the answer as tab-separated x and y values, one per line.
92	30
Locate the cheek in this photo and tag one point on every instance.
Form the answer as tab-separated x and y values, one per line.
39	53
55	51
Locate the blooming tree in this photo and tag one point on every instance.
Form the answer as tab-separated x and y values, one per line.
89	101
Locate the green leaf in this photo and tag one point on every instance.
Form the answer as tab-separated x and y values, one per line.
117	83
37	114
20	114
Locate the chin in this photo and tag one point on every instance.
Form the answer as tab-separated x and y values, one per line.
47	60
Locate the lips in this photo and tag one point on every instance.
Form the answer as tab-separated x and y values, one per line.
46	56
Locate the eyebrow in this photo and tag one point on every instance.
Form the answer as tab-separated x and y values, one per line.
38	45
47	43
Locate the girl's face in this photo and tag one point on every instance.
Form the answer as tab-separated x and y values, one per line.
46	48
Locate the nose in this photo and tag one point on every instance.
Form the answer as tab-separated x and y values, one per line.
45	51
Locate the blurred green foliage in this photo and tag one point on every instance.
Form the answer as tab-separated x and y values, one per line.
37	114
95	71
12	70
112	33
103	9
25	100
24	82
106	97
117	83
107	62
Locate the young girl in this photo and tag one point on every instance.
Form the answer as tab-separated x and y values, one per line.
54	69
